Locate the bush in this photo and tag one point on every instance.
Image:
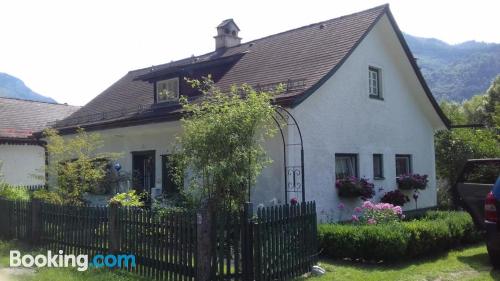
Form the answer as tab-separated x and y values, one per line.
11	192
395	197
127	199
370	213
46	196
435	232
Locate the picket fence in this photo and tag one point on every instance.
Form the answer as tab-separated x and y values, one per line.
275	243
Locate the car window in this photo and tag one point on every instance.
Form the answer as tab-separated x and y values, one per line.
482	172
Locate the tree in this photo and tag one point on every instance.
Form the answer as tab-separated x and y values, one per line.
492	107
454	147
221	144
74	165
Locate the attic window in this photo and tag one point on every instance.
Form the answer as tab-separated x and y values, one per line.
167	90
374	85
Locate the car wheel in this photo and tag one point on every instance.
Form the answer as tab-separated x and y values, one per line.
494	258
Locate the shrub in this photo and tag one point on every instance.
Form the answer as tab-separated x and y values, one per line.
435	232
395	197
46	196
370	213
354	187
11	192
127	199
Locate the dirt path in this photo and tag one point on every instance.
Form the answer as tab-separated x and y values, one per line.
10	274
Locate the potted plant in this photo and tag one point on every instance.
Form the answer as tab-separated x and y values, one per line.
352	187
412	182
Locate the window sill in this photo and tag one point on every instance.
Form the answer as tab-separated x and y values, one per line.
376	97
378	178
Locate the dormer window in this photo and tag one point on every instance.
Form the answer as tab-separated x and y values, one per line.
167	90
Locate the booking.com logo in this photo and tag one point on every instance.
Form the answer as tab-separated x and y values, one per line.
81	262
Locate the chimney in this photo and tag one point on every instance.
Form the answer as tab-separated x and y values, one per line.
227	35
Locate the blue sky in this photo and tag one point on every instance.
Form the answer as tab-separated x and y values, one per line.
73	50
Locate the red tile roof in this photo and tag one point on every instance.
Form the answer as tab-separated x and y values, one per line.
20	118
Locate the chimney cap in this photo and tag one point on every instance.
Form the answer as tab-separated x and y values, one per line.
226	22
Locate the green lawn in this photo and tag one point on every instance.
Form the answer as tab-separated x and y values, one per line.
470	263
56	274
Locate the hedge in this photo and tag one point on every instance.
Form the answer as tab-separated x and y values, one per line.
435	232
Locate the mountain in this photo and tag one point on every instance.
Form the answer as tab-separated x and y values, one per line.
12	87
456	72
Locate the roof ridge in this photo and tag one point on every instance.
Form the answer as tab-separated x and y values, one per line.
35	101
384	6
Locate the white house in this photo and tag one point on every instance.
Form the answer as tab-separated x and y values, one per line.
22	156
352	85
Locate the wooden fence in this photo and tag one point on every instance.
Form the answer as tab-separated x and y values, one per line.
276	243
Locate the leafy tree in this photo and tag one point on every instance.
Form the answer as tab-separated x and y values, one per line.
75	166
492	108
222	139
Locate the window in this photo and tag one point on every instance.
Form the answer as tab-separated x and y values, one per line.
403	164
346	165
374	87
167	90
169	166
378	166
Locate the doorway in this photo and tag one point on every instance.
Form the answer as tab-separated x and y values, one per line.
143	170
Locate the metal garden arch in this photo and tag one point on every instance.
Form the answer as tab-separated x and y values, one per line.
293	167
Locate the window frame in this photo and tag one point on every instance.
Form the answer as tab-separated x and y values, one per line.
378	71
356	163
410	163
381	164
157	94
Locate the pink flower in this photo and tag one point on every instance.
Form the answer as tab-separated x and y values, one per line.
367	205
341	206
398	210
371	221
354	218
294	201
357	210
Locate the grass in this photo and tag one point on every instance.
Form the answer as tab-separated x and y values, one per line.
470	263
56	274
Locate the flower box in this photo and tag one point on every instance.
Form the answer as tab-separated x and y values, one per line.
352	187
412	182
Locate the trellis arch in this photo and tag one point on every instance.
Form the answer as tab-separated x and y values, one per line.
293	153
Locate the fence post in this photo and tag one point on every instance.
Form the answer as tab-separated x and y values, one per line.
247	243
204	243
36	221
114	229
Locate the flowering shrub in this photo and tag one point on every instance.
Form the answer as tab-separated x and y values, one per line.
412	181
370	213
395	197
354	187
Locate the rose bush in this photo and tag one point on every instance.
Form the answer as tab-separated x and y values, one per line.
370	213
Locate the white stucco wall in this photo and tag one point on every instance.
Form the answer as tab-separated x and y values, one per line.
160	137
21	162
341	118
